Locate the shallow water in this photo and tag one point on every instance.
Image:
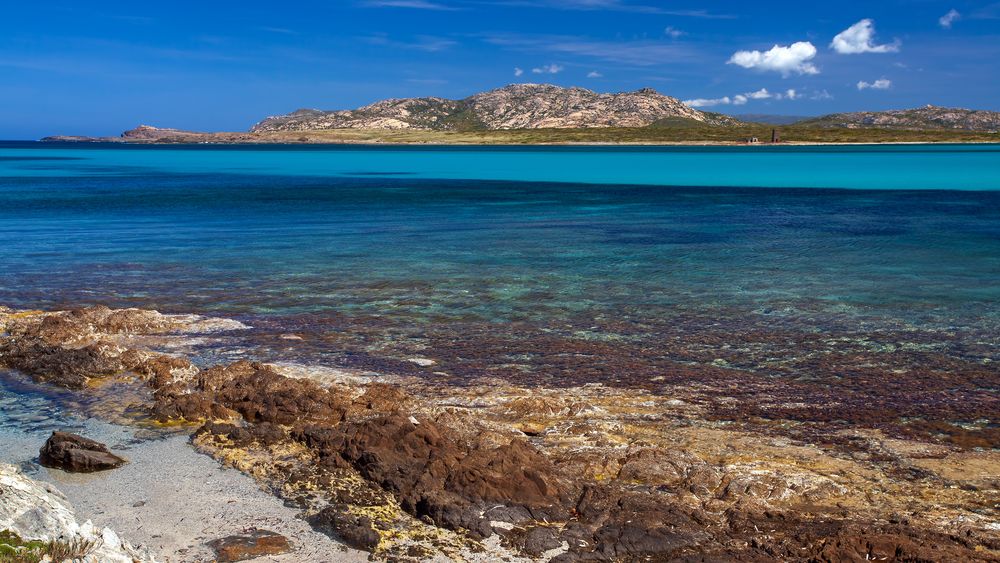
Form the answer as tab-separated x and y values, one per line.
524	262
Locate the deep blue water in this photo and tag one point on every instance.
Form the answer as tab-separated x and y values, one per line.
543	236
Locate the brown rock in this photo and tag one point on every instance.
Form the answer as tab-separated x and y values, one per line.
436	474
254	544
357	531
77	454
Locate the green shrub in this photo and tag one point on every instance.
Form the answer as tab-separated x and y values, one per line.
14	549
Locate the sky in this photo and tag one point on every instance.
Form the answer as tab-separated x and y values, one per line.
100	67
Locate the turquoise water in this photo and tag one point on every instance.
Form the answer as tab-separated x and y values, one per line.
953	167
507	261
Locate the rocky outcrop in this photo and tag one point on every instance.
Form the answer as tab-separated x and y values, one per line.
71	348
148	132
77	454
37	511
927	117
518	106
589	473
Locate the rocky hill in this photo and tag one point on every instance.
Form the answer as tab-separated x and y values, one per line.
518	106
924	118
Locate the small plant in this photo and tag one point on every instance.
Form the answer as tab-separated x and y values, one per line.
14	549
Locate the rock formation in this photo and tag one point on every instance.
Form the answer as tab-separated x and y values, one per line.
518	106
924	118
77	454
37	511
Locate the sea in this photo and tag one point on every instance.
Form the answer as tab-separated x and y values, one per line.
654	267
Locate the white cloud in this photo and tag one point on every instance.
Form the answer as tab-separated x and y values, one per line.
703	103
860	38
762	94
518	71
880	84
951	17
786	60
673	32
548	69
821	95
594	74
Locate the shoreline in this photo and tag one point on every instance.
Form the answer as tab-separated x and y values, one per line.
550	144
411	469
597	136
170	499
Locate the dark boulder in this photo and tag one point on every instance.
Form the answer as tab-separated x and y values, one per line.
77	454
356	530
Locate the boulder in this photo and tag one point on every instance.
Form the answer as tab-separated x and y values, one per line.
357	531
251	545
77	454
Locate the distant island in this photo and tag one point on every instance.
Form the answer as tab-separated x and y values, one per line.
547	114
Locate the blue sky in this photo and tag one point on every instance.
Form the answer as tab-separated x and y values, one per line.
101	67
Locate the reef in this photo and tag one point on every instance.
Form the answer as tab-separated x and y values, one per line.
407	467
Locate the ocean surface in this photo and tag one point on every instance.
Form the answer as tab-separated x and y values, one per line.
548	265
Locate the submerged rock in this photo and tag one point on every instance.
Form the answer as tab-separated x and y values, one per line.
254	544
77	454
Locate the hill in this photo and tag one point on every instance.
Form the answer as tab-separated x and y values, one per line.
925	118
517	106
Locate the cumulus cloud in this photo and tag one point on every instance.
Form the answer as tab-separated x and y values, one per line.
792	94
594	74
860	38
675	33
880	84
787	60
548	69
951	17
518	71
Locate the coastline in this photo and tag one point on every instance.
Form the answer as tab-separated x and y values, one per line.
646	474
718	136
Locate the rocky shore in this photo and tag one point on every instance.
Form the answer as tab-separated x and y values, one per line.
406	468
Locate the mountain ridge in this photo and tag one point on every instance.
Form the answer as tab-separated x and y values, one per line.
928	117
516	106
